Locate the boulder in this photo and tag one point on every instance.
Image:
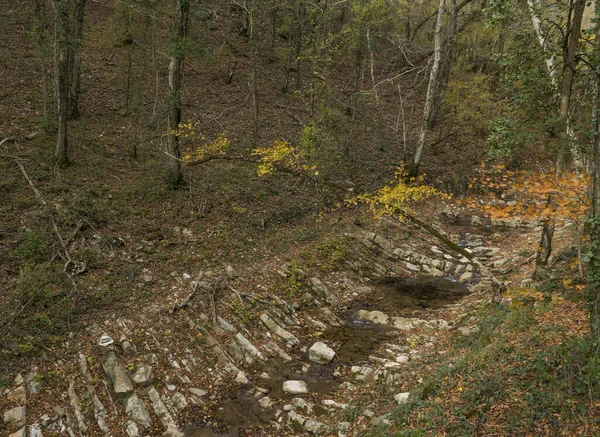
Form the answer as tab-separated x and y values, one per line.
320	353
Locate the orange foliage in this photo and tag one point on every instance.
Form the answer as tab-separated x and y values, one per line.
529	194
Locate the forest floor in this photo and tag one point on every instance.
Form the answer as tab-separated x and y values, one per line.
513	368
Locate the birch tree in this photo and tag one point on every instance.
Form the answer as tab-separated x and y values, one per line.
434	79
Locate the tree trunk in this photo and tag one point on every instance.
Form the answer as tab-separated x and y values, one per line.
593	289
75	62
254	75
570	45
61	155
428	110
180	27
534	7
41	48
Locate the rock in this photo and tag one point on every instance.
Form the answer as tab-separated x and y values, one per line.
312	426
15	417
301	403
402	398
19	433
436	273
403	358
144	375
270	324
196	391
147	276
18	380
317	286
412	267
403	323
333	404
18	395
230	272
241	378
320	353
373	316
466	277
136	410
187	276
117	374
248	347
468	331
179	401
381	420
35	430
225	325
343	427
131	429
105	340
265	402
295	417
295	387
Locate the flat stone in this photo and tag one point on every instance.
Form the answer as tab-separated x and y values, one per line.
374	316
18	395
196	391
137	411
20	433
144	375
295	387
301	403
320	353
270	324
35	430
403	358
15	417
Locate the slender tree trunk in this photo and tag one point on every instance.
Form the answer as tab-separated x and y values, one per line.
254	74
41	48
75	63
61	155
571	43
593	289
180	27
428	110
300	13
154	119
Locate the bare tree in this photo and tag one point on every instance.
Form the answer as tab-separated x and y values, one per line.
75	62
180	29
63	27
434	80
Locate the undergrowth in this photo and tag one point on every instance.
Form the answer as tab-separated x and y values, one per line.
523	373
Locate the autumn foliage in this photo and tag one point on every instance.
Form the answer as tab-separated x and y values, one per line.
530	194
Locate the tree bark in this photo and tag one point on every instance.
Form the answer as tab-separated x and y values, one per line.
593	289
180	28
428	110
41	47
570	45
75	63
61	155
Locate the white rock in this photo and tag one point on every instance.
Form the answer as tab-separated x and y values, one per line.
402	398
144	375
241	378
320	353
265	402
373	316
15	418
295	387
403	358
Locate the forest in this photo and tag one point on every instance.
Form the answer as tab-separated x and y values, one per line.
289	217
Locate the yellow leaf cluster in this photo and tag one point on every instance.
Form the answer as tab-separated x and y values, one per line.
281	153
218	146
400	193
